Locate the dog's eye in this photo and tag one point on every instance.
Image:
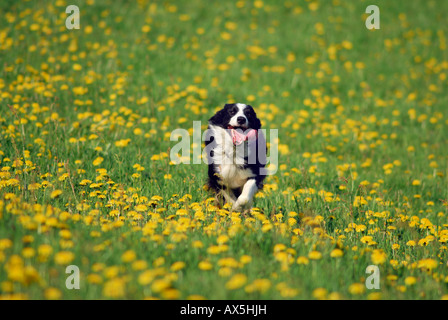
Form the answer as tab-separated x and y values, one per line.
232	112
249	112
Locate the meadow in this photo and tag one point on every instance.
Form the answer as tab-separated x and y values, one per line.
86	177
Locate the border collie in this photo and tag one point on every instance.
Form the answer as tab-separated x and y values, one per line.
236	154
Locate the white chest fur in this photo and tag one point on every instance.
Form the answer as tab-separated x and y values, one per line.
234	176
227	160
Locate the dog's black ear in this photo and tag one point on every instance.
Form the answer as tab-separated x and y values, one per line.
218	118
257	124
254	122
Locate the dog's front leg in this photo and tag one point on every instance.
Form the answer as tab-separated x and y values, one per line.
247	195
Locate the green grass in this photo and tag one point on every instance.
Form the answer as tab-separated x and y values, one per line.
359	113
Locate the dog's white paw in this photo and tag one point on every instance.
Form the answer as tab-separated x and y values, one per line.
240	204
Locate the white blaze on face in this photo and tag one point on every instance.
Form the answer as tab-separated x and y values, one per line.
233	121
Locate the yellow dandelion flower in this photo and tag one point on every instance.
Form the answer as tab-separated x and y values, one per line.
64	257
146	277
177	266
181	212
320	293
374	296
214	250
411	243
236	282
146	28
114	288
52	294
260	285
197	244
170	294
94	278
357	288
160	285
428	264
128	256
55	194
122	143
139	265
302	260
313	6
222	239
409	281
289	292
315	255
245	259
205	265
28	252
43	252
336	253
98	161
378	257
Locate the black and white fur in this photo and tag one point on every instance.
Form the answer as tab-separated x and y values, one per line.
230	173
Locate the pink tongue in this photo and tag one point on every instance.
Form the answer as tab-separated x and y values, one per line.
239	137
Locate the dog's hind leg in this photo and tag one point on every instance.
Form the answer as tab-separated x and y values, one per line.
228	196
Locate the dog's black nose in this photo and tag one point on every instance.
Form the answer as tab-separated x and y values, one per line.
241	120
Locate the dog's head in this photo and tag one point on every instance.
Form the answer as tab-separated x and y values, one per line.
236	116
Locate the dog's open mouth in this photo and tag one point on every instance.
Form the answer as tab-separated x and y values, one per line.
236	127
239	135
